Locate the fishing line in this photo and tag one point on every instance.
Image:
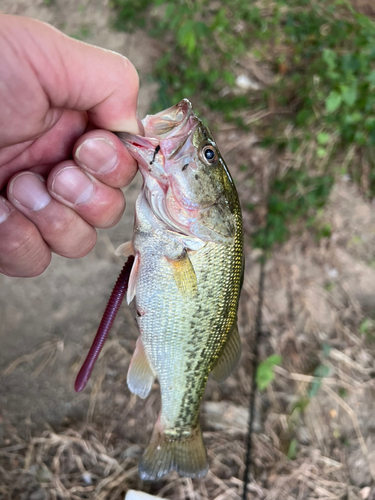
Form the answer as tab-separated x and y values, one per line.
258	328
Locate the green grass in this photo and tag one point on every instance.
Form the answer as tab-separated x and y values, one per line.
322	56
265	371
293	196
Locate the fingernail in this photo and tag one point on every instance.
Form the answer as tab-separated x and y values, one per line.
4	210
30	191
97	155
73	185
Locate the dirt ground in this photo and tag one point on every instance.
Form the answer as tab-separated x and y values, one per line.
318	311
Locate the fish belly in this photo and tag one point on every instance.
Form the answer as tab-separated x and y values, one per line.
183	336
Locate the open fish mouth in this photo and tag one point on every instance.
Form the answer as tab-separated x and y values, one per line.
170	122
166	134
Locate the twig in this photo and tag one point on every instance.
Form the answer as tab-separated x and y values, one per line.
309	379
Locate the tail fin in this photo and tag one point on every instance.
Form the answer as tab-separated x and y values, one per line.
186	455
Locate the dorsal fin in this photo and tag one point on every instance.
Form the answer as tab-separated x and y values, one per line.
229	358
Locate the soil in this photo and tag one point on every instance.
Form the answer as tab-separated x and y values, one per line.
317	295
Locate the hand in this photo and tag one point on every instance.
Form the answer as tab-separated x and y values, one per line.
59	181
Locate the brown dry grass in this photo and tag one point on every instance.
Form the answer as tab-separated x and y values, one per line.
87	464
93	460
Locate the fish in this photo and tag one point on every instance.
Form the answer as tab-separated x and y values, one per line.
184	271
185	281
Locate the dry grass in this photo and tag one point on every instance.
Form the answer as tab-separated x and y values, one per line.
93	461
86	464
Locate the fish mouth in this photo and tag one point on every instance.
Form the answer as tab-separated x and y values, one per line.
146	151
166	133
132	141
170	122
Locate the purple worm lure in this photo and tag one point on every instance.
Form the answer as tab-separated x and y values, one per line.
110	313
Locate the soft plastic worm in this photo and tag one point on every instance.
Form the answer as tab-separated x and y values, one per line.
110	313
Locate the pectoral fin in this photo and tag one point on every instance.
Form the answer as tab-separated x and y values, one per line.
229	358
140	375
184	276
133	280
125	249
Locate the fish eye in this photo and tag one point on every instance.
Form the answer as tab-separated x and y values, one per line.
209	154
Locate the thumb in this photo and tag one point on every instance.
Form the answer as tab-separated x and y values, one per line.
71	74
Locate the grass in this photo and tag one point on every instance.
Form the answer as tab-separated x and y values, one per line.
314	68
85	463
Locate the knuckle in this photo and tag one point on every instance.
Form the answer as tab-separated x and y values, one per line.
23	252
60	226
113	216
70	236
25	258
38	268
83	246
22	246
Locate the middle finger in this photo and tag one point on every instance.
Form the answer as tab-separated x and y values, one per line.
103	155
98	204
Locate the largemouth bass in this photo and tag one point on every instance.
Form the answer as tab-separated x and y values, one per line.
186	280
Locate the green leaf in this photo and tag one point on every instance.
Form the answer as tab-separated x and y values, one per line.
329	57
366	325
333	102
169	11
229	77
371	78
321	153
353	118
186	36
320	372
326	348
349	94
292	450
323	138
265	373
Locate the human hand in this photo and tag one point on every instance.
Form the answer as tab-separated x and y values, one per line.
60	167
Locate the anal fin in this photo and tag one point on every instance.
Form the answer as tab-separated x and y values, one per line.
229	358
184	275
140	374
185	454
